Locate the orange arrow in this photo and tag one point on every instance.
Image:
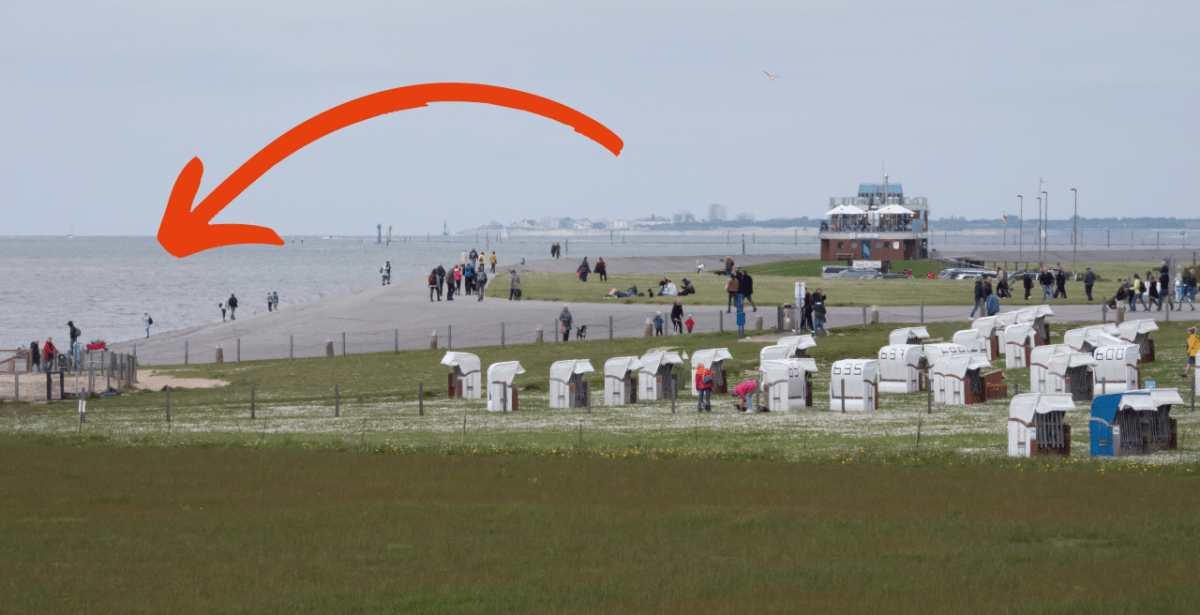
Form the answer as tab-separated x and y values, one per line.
185	231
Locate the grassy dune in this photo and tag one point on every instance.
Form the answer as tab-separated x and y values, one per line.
774	284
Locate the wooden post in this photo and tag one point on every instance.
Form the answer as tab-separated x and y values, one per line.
537	335
239	350
922	311
16	387
449	337
343	343
433	340
610	327
720	321
252	402
337	400
420	399
397	334
185	353
168	390
291	347
49	386
864	308
502	335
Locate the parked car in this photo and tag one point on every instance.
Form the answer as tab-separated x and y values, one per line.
963	273
832	271
860	273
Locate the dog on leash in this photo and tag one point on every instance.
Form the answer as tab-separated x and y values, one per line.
581	333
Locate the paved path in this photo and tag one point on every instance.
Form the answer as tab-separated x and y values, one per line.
401	315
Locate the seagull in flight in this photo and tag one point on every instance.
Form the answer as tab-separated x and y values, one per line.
770	75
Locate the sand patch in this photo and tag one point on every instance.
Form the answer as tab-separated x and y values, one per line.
149	379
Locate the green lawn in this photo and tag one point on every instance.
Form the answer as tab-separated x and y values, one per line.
183	530
774	284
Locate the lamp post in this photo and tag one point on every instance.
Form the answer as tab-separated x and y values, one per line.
1039	232
1046	240
1021	231
1074	232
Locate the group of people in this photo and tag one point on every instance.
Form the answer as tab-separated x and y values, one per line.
231	305
584	269
471	272
46	356
740	283
1155	290
986	300
677	321
813	313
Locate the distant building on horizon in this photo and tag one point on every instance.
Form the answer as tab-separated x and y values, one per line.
745	217
682	216
716	213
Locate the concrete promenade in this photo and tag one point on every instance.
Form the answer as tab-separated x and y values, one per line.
401	316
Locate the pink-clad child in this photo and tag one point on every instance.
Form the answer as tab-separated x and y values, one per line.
744	390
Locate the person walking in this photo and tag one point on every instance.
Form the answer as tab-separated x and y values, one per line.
1181	292
1027	281
658	323
1191	283
992	304
602	269
728	265
565	321
1193	345
458	279
74	349
469	277
1089	280
704	385
1001	284
677	317
514	285
492	259
232	303
731	288
49	355
689	323
1139	292
979	298
146	322
35	357
806	312
473	256
1152	291
746	287
1060	283
584	270
223	307
275	300
433	286
481	280
819	319
1046	279
441	274
1164	291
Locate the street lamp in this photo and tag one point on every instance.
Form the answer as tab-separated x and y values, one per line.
1021	231
1046	239
1039	233
1074	232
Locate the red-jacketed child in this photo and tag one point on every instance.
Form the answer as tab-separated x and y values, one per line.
744	390
689	323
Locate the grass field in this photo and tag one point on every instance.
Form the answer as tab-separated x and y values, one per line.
184	530
627	509
774	284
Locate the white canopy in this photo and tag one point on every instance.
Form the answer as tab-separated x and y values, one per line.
900	336
1076	337
504	372
1018	334
1005	319
655	359
1059	357
464	361
776	370
797	342
617	366
958	365
709	356
563	370
770	353
972	339
893	209
1024	406
1150	399
845	210
986	325
933	352
1130	329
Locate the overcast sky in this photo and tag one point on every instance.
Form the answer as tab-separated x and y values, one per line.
968	103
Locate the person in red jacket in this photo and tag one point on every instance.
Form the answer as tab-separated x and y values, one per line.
704	384
689	323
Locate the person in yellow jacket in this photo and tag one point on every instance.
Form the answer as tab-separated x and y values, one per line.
1193	347
493	261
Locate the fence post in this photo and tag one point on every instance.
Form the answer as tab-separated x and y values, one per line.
239	350
864	307
337	400
343	343
502	335
420	399
610	327
291	347
449	337
168	390
433	340
922	311
252	402
720	321
16	387
538	335
49	386
185	353
397	333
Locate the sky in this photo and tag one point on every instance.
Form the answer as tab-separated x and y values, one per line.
966	103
